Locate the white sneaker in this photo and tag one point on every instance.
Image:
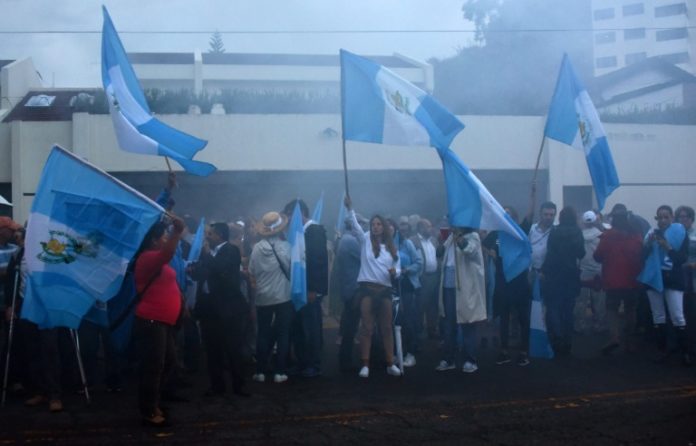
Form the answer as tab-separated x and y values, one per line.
259	377
469	367
409	360
393	370
364	372
444	365
280	378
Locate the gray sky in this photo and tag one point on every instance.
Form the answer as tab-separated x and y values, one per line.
73	60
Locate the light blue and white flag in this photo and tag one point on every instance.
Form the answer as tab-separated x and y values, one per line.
470	204
651	275
318	209
298	263
197	243
84	228
539	345
381	107
573	121
136	130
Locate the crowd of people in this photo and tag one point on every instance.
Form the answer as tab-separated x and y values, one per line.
595	274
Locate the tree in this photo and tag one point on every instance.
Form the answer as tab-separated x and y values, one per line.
513	67
216	44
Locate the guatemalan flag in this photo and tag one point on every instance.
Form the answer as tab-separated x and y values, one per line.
651	275
318	209
574	121
298	263
136	130
539	345
381	107
197	243
470	204
84	228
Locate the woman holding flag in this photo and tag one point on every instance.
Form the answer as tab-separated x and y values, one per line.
156	314
666	249
379	267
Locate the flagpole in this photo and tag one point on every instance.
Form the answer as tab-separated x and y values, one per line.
169	166
345	168
536	167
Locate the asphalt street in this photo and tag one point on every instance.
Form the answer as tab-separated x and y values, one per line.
585	399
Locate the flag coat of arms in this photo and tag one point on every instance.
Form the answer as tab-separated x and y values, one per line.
573	120
381	107
84	228
136	129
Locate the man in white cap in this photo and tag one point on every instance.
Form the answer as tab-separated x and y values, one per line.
590	308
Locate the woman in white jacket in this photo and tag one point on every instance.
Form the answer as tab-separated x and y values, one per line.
269	267
462	296
379	266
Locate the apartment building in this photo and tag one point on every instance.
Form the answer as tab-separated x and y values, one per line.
629	31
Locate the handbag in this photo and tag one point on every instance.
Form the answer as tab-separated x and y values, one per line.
129	308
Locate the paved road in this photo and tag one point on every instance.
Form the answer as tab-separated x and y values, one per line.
587	399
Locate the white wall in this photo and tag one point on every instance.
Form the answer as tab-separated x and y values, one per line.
654	162
5	152
16	79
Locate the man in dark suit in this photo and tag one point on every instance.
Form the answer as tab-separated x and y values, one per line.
307	333
222	310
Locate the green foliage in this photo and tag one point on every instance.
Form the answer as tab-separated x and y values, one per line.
216	44
513	69
234	101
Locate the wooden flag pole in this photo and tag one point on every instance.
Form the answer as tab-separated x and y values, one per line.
169	166
345	168
536	167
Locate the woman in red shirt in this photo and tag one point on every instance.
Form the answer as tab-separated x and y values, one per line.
155	316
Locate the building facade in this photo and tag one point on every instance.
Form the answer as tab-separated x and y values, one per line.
629	31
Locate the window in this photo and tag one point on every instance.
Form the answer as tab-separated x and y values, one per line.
668	10
676	58
635	57
634	33
671	34
604	14
606	37
633	9
606	62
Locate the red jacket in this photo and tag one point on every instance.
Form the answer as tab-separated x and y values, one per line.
621	256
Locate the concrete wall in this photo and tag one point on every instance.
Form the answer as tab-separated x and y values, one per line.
654	162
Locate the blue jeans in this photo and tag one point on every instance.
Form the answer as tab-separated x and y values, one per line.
274	323
451	328
307	335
